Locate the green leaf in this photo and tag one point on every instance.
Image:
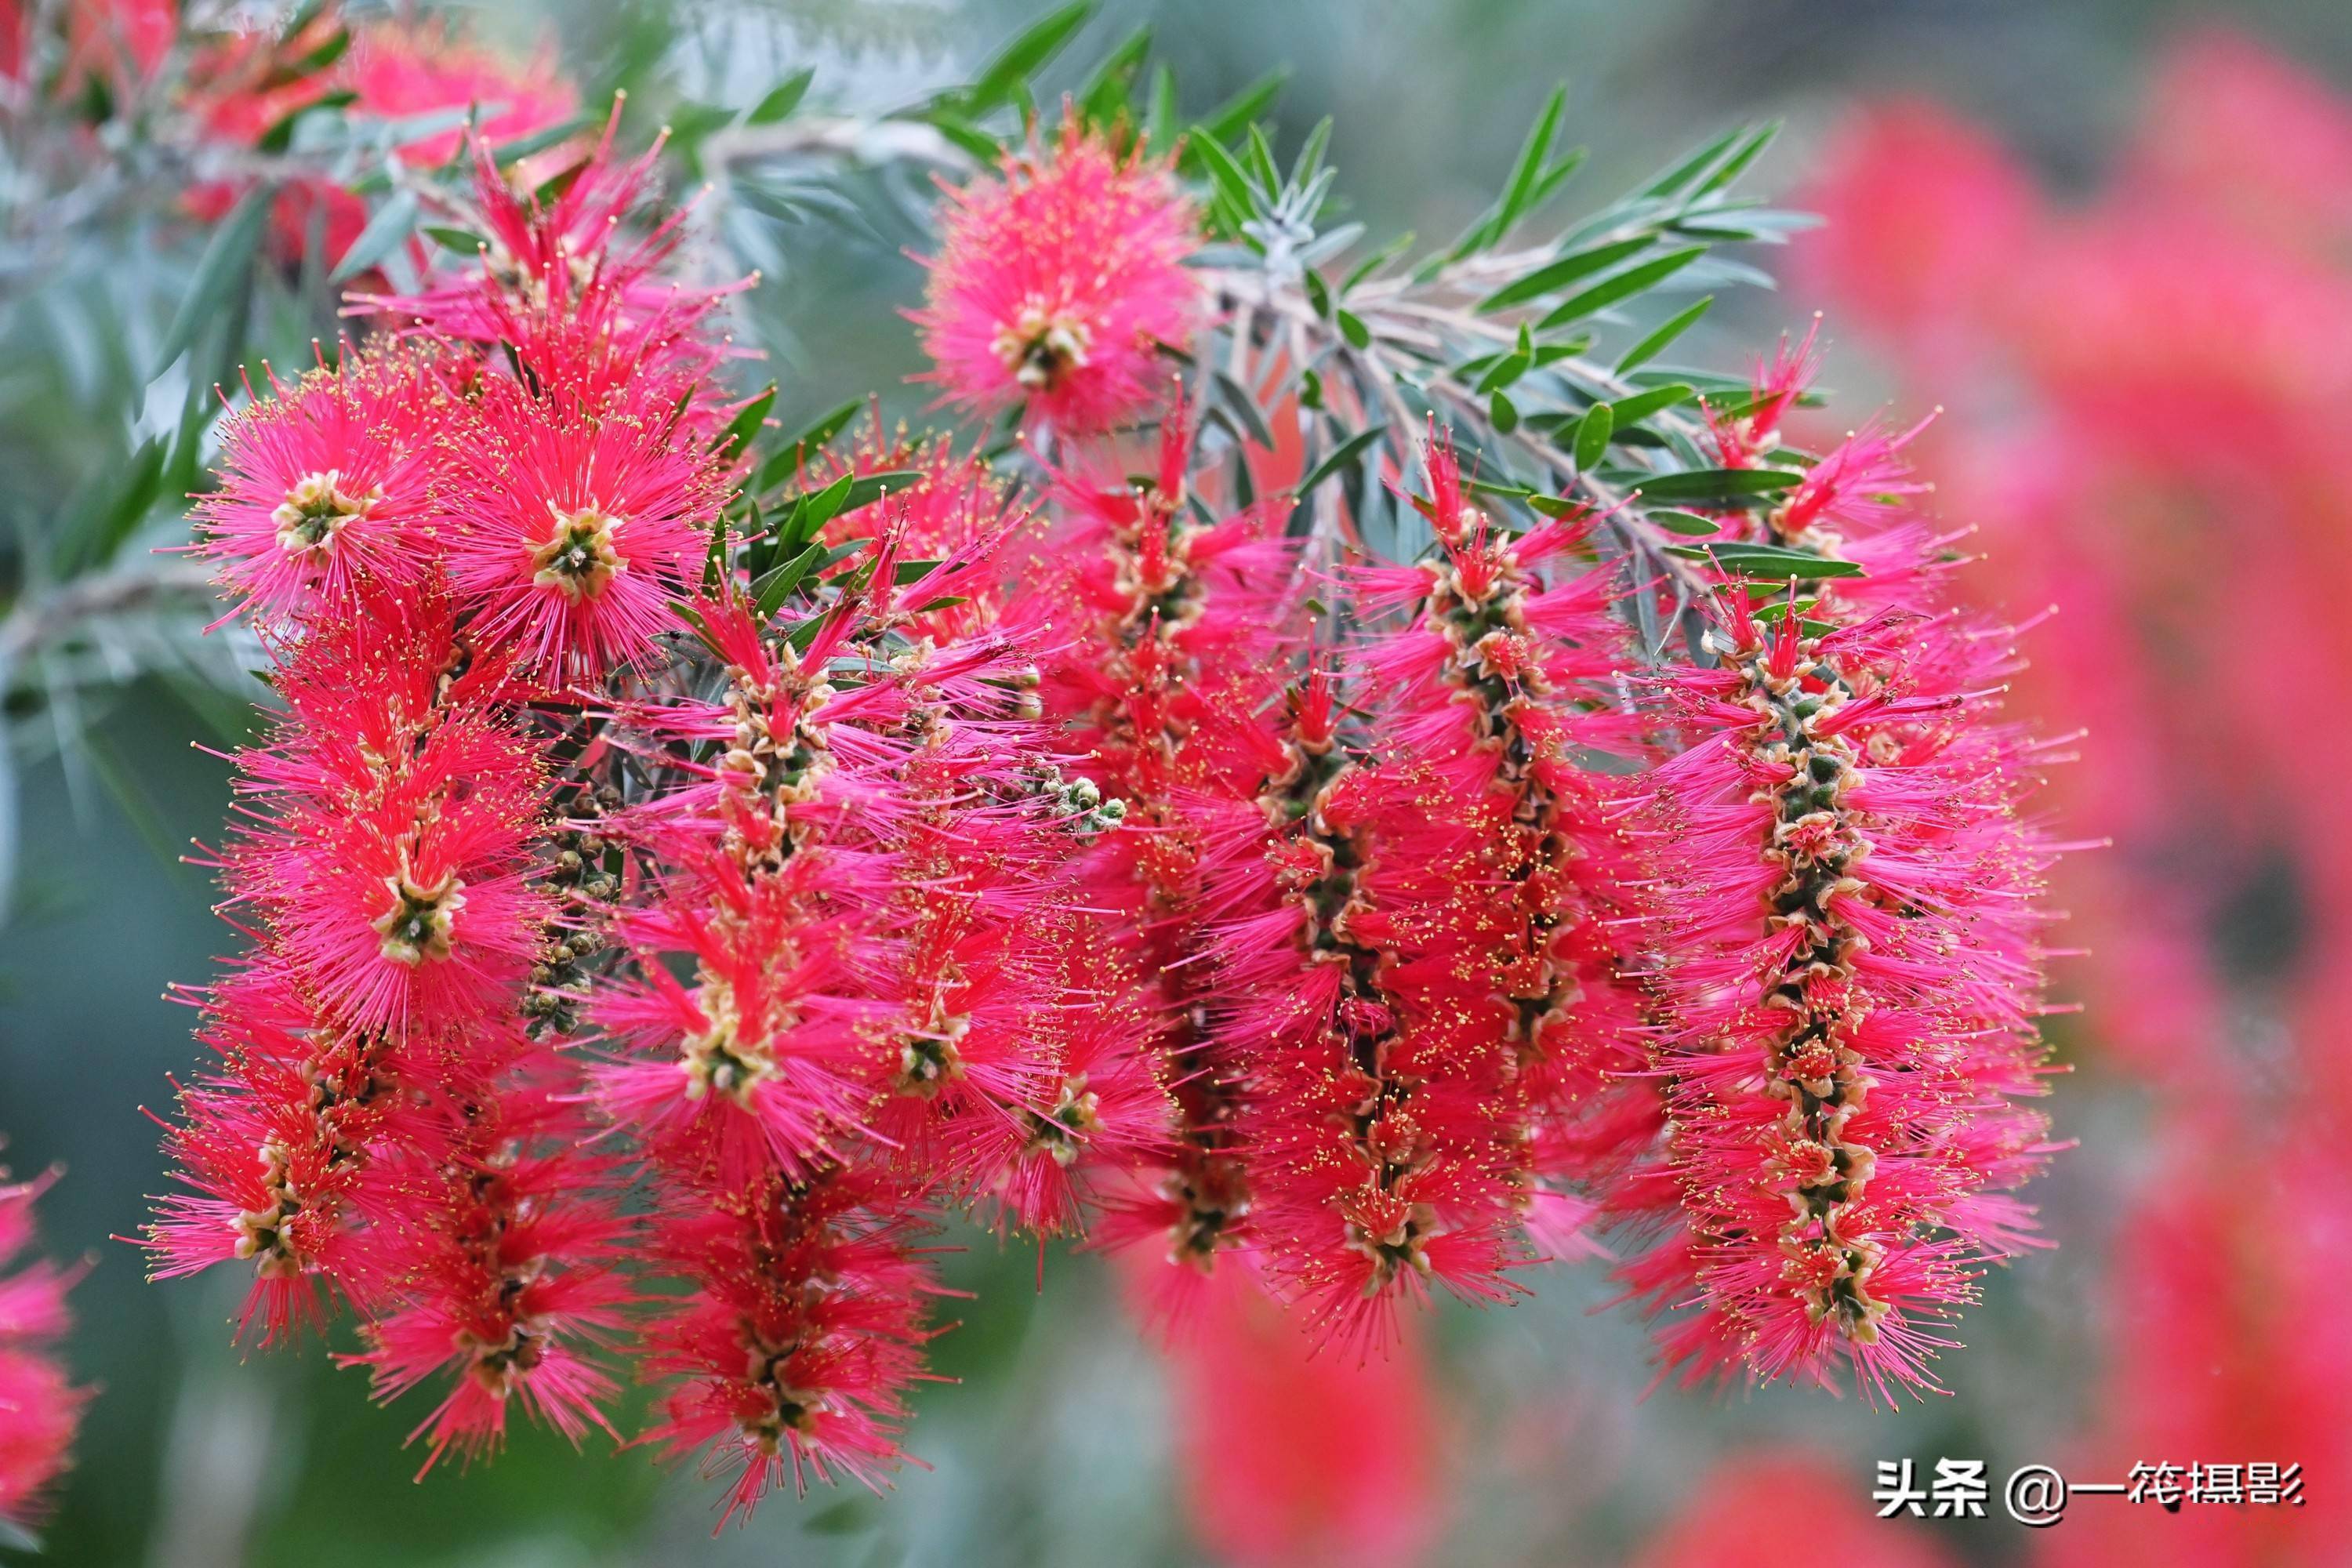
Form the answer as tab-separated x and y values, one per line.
115	504
813	512
1692	167
1780	608
1224	171
222	270
1222	123
1728	488
464	241
1318	293
776	585
1736	163
714	565
786	460
1766	561
1642	404
736	438
312	63
1006	75
1160	109
1235	398
1309	162
1592	436
1504	413
280	136
1377	259
1673	327
1345	453
1553	276
694	622
867	488
1352	328
539	141
1519	194
1261	157
393	223
782	99
1688	524
1507	369
1111	89
1621	286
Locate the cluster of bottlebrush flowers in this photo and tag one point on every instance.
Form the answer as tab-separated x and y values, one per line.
664	910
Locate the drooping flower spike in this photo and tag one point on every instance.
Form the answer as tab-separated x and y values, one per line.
1853	962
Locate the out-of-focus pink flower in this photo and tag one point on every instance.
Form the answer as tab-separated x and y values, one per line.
2228	1346
1299	1459
1741	1513
404	71
39	1409
1926	218
243	87
1055	279
117	42
2232	127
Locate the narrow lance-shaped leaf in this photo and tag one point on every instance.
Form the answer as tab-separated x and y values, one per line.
393	223
1009	71
1592	436
225	266
1621	286
1673	327
1553	276
1346	452
782	99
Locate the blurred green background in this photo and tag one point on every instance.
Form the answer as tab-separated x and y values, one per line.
1053	1446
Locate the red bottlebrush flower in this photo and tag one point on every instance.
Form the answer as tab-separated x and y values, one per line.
504	1265
1383	1129
794	1354
572	527
1852	962
401	70
1054	279
330	482
2233	1271
581	303
1500	686
769	874
280	1145
392	818
40	1410
2249	135
1170	624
